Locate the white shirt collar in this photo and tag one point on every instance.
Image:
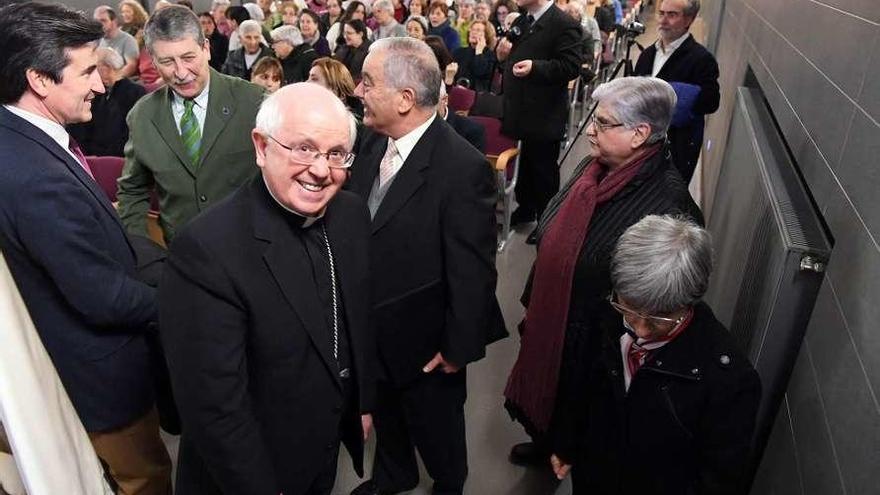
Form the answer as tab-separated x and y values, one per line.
408	141
672	46
201	100
55	130
541	11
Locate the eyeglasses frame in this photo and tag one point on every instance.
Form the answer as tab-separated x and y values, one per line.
347	163
654	320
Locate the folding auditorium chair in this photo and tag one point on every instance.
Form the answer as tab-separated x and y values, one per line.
503	154
107	170
461	99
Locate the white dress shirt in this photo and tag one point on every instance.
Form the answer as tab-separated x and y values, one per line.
662	55
407	142
200	109
55	130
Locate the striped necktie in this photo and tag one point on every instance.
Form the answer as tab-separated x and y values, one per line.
190	133
386	166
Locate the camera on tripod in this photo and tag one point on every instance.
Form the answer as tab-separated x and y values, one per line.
631	30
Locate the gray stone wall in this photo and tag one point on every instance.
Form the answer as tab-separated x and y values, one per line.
818	63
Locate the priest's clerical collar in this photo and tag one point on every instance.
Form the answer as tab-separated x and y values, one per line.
303	221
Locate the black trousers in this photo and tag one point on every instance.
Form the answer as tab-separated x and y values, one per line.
427	415
323	483
538	178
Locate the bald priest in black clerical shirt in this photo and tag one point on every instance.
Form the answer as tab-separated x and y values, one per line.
263	313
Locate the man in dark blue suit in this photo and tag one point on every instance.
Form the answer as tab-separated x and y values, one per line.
65	246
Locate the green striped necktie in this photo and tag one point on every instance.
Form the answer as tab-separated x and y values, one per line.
190	133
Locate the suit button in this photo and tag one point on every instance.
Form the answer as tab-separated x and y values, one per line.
203	198
330	446
337	410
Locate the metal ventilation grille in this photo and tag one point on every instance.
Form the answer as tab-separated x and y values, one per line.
748	314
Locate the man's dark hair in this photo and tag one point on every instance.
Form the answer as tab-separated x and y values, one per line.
311	13
36	36
207	15
238	14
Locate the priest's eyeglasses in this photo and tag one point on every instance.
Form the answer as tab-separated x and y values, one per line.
307	154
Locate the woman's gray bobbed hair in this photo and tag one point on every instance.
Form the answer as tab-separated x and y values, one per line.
662	263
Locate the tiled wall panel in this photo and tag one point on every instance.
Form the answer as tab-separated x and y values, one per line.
818	63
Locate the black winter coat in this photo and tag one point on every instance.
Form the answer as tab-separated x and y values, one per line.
605	18
690	63
657	189
684	426
219	50
107	132
477	69
298	63
353	58
536	106
236	65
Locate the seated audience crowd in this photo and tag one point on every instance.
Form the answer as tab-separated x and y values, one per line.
319	197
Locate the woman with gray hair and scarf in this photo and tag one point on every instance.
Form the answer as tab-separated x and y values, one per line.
664	401
628	175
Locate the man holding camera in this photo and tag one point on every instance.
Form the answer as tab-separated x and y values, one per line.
677	57
543	52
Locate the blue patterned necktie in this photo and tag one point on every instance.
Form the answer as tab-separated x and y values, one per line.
190	133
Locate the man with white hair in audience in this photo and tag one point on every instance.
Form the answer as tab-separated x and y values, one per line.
253	47
107	132
383	12
117	39
295	54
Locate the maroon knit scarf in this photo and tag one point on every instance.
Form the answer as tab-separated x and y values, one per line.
533	381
